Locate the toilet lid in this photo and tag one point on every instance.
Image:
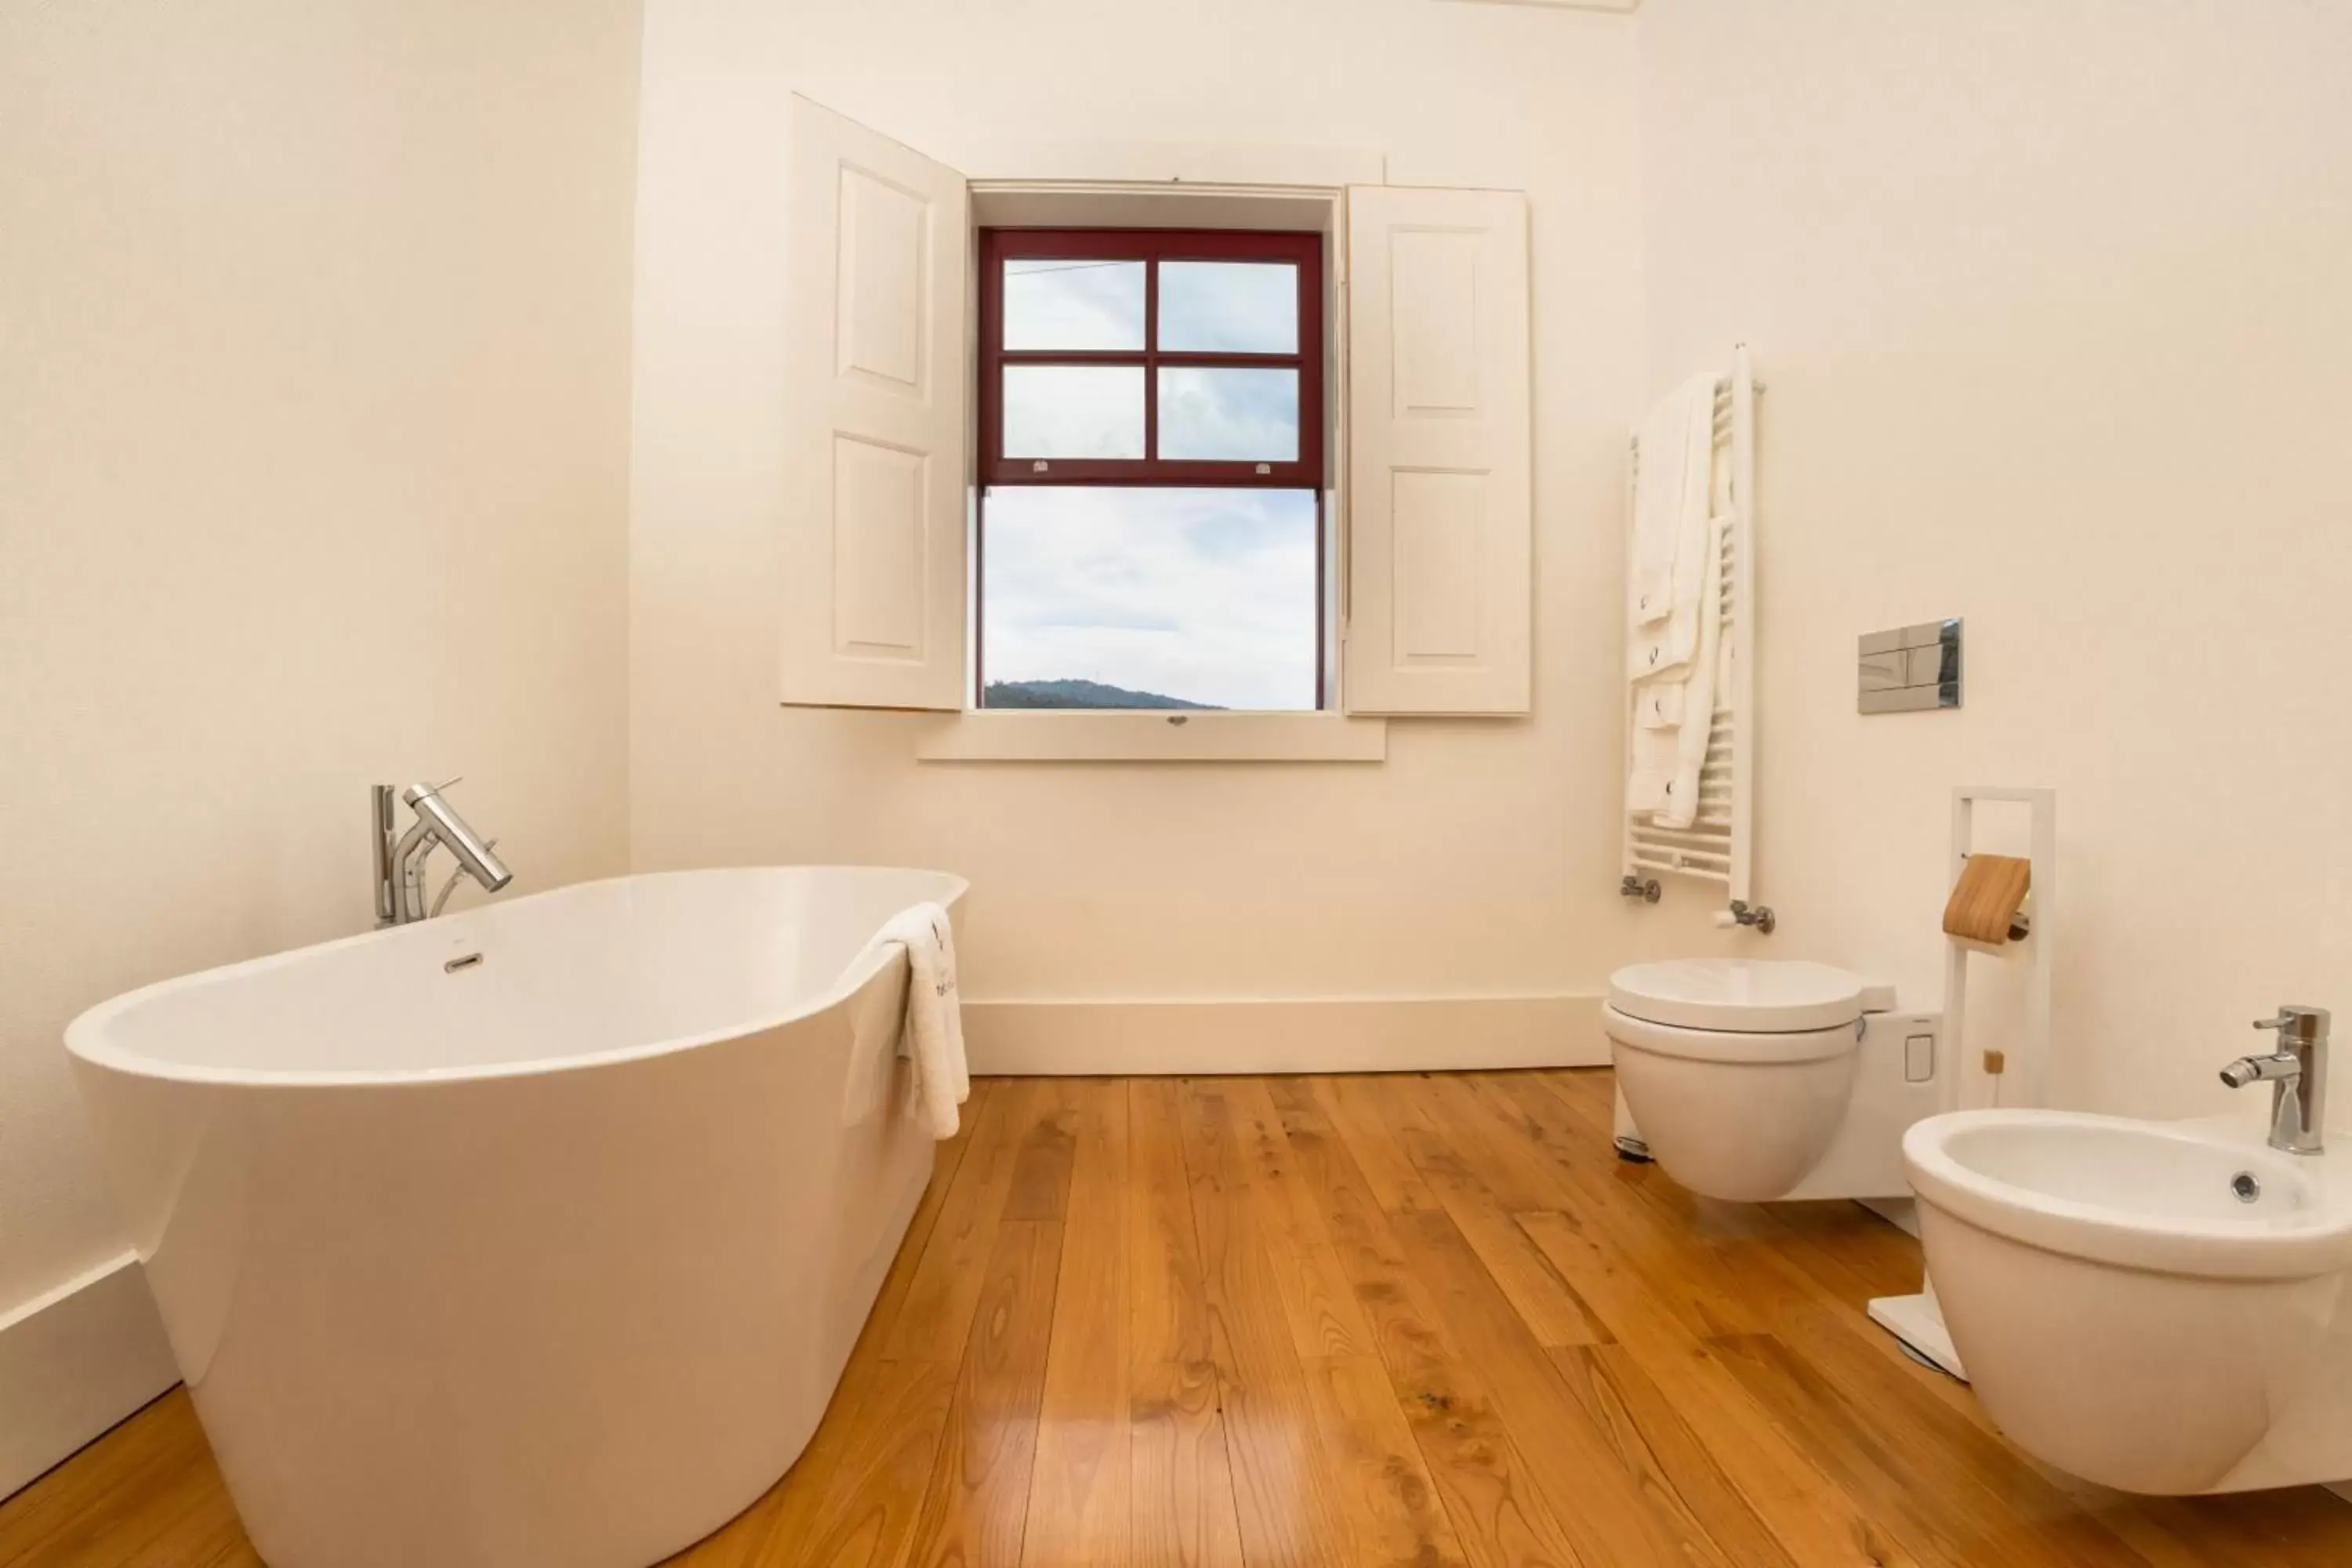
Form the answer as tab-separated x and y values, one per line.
1738	995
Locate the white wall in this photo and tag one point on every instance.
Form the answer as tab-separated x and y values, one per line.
313	433
1480	858
2052	301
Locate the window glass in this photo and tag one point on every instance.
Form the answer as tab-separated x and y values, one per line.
1224	414
1052	303
1110	596
1074	411
1229	307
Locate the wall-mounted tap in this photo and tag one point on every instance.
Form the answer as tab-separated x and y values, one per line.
400	857
2297	1074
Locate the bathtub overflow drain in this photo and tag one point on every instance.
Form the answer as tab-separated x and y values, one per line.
2245	1186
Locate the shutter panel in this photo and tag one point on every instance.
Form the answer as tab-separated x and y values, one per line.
1440	511
878	429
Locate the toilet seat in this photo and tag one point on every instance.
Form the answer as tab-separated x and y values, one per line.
1756	1047
1728	997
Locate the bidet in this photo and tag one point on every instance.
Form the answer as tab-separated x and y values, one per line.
2158	1307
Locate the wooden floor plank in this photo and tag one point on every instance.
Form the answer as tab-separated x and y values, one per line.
1285	1485
1656	1444
1816	1520
148	1493
1040	1186
1078	1507
1422	1319
1326	1319
2291	1526
946	1165
1386	1497
1838	1437
1482	1478
936	1311
854	1497
1594	1500
1352	1104
1524	1118
1181	1481
1481	1185
1392	1507
977	1504
1971	1467
1606	1510
1180	1489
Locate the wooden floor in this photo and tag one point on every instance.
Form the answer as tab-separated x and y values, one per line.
1424	1320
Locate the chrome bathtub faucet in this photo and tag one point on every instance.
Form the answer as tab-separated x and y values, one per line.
400	859
2297	1074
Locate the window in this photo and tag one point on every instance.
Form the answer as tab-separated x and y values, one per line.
1152	456
1151	530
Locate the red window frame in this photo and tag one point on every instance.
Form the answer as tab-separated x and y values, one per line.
1152	246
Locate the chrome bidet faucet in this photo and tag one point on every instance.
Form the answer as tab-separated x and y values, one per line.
2297	1074
399	861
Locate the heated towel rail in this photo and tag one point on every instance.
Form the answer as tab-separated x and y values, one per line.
1718	845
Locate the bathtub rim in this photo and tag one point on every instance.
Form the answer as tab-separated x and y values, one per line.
87	1036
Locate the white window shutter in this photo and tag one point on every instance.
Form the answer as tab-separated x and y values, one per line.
1440	514
876	421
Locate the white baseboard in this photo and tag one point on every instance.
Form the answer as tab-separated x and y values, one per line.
75	1361
1405	1034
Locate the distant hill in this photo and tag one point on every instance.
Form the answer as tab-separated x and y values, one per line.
1078	694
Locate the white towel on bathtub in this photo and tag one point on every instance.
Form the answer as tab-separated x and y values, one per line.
933	1036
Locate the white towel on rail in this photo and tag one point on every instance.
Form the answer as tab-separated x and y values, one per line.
1663	773
1658	705
933	1029
1670	512
1672	604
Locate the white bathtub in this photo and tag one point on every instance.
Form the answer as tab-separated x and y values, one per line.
552	1258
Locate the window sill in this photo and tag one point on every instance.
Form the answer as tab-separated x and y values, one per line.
1062	735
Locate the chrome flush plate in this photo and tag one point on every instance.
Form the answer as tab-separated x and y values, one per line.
1909	668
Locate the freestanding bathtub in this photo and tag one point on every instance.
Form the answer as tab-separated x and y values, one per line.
537	1234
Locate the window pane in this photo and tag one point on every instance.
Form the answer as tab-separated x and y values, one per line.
1229	307
1074	411
1052	303
1100	596
1217	413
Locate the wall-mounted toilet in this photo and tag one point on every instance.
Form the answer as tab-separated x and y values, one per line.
1755	1078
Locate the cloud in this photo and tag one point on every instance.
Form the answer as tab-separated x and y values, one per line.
1052	303
1227	414
1206	595
1229	307
1073	411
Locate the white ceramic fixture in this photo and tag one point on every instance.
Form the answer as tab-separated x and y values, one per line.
1757	1078
2158	1307
533	1237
